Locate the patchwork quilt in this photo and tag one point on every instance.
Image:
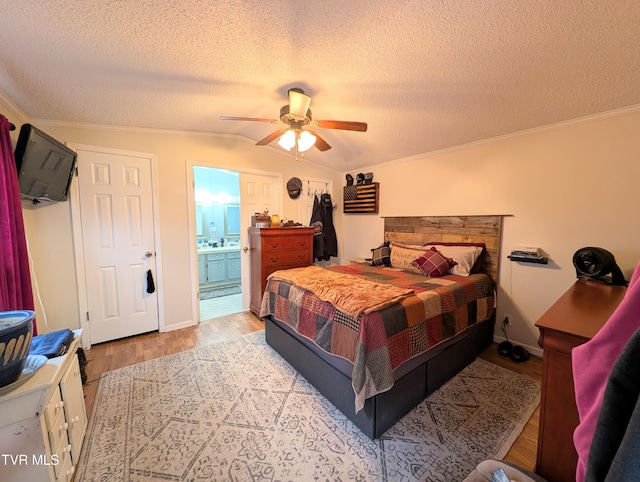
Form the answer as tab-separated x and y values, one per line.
379	341
350	294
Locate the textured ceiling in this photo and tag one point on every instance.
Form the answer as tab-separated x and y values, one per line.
425	75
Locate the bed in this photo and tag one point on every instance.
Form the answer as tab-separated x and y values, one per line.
375	362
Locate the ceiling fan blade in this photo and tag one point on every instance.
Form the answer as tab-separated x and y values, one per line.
321	144
298	103
269	138
255	119
344	125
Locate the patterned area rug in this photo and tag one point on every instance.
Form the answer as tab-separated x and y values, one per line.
217	293
235	410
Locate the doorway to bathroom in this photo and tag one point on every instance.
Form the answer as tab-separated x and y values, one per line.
221	205
217	223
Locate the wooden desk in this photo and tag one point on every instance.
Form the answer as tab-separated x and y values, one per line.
573	320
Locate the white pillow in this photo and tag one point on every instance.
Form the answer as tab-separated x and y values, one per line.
465	256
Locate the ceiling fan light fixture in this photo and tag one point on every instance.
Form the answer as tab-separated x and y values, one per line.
298	103
287	140
295	118
306	141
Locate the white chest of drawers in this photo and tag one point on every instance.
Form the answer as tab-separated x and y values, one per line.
43	423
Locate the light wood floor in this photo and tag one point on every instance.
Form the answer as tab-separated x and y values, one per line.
121	353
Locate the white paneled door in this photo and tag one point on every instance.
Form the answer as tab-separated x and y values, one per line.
116	211
257	193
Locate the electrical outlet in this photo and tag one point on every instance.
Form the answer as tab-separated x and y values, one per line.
506	319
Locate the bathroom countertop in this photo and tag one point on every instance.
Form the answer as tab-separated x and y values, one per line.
219	249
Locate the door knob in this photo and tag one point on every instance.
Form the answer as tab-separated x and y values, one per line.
245	249
148	254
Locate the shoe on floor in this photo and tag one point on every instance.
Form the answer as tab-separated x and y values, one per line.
519	354
505	348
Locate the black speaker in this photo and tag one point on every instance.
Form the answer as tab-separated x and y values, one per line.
597	264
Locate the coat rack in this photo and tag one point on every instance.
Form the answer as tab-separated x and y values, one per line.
316	192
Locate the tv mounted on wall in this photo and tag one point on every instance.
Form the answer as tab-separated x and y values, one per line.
45	166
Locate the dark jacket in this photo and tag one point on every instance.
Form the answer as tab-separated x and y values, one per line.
325	242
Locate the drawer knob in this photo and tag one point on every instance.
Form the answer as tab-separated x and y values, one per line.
59	405
274	245
71	470
67	449
274	259
64	427
76	419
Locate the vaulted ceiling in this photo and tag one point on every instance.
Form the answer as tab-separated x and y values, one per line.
425	75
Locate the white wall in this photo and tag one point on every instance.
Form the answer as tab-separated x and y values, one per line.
561	189
49	230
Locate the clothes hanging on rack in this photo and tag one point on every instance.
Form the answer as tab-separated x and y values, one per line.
325	242
316	224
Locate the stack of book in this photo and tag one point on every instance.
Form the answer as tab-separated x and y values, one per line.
525	253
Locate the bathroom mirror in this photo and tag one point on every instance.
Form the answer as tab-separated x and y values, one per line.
200	222
232	220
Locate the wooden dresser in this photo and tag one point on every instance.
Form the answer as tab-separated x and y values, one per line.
573	320
272	249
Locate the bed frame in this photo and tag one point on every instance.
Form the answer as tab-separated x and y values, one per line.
436	366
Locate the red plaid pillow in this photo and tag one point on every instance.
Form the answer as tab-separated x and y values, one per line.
433	263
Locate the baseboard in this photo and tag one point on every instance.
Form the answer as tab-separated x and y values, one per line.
179	326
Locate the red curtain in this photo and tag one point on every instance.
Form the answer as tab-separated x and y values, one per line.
15	279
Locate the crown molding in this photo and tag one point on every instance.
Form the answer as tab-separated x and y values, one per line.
634	109
175	132
24	118
14	110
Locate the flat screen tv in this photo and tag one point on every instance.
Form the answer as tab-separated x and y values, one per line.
45	166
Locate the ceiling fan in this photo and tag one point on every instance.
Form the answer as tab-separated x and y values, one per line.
297	123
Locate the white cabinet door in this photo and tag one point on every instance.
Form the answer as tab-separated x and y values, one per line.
74	409
216	268
202	269
233	266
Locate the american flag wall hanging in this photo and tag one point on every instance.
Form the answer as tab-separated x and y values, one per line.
361	198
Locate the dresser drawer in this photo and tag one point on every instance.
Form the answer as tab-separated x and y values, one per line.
66	469
58	433
284	243
53	408
64	451
287	259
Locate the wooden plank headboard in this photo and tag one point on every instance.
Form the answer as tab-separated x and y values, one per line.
452	229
